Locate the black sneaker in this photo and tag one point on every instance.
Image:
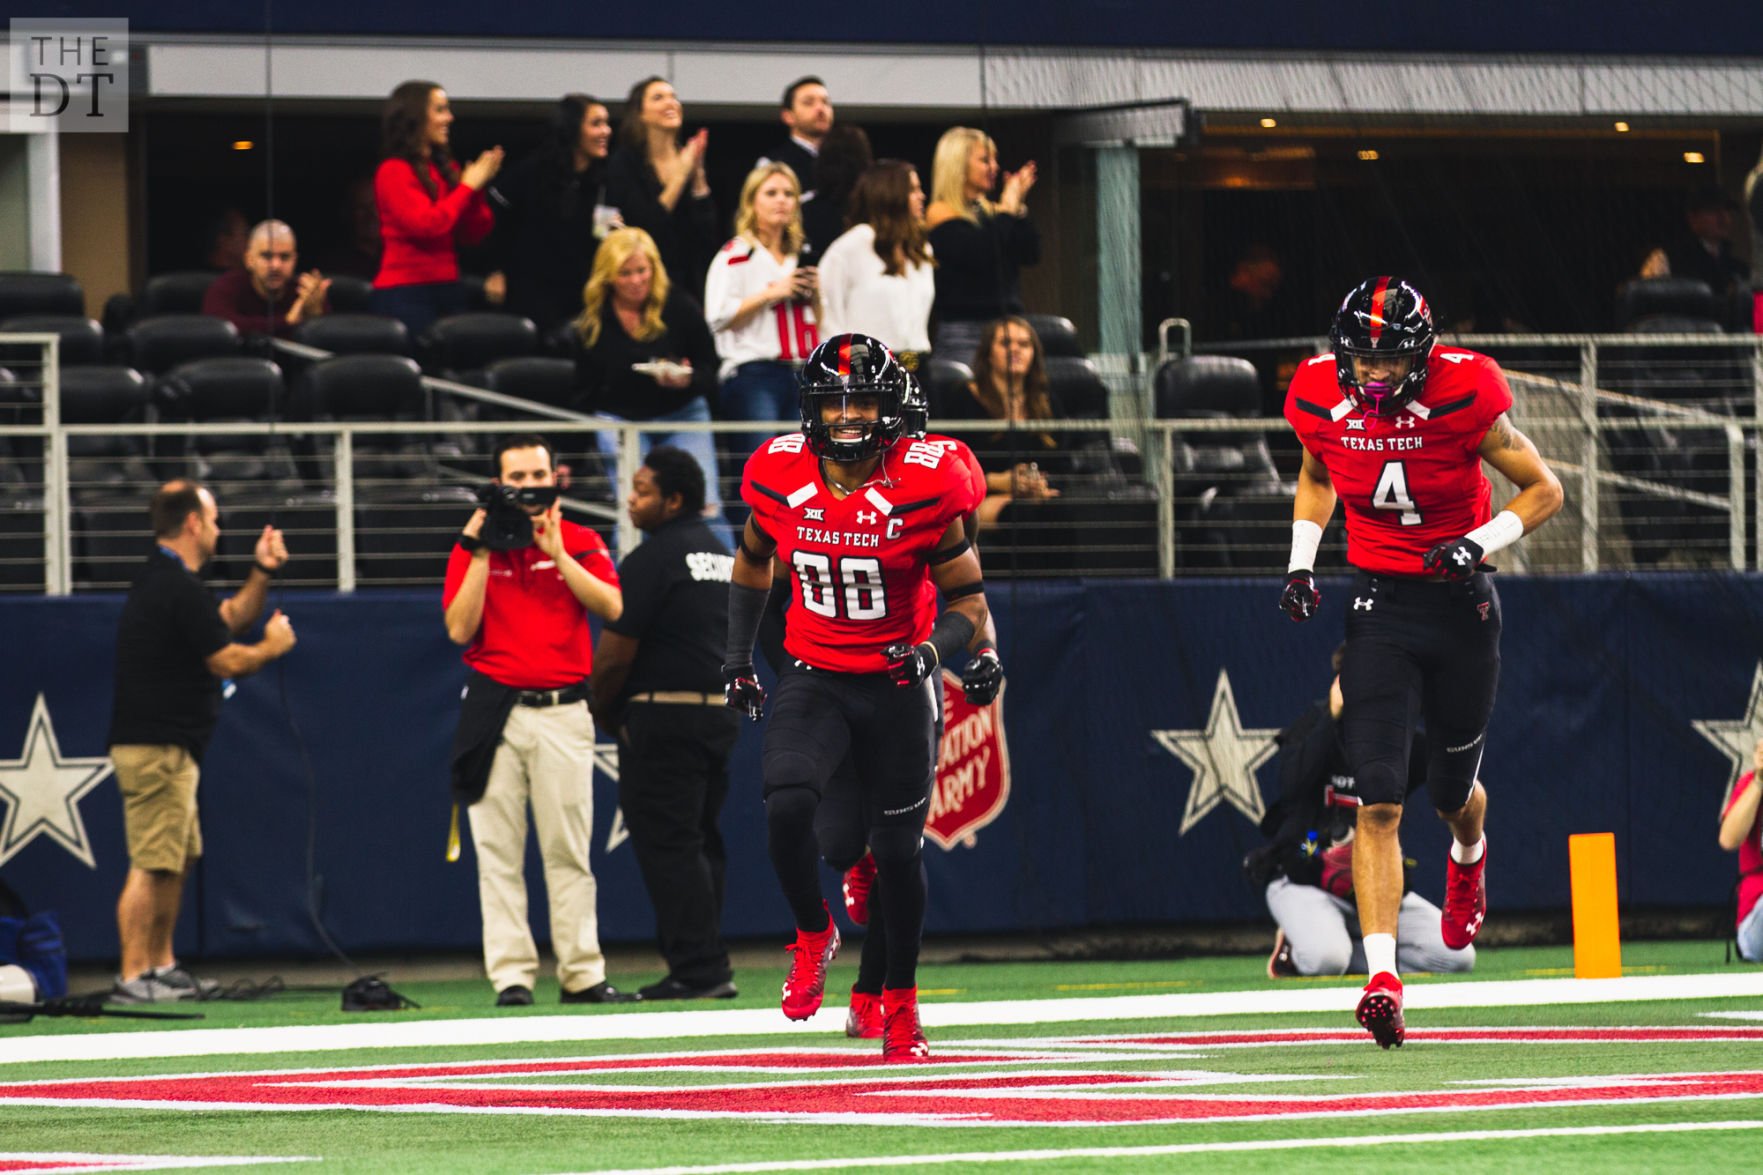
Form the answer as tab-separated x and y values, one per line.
601	993
176	976
514	996
673	989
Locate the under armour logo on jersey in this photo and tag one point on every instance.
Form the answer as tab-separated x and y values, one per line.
1356	425
1406	422
1362	603
867	518
815	513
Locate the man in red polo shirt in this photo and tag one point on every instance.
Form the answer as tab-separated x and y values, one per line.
525	735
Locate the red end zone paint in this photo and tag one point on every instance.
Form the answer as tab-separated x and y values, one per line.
853	1088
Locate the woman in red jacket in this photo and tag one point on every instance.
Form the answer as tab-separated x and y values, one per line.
428	207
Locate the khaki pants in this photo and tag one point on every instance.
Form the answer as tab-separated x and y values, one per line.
546	759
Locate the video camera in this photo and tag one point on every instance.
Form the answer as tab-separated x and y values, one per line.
507	525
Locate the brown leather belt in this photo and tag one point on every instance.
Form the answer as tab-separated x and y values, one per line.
678	697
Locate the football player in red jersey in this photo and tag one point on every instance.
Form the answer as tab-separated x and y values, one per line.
863	522
1396	428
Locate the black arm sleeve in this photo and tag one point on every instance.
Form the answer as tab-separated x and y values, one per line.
746	607
950	634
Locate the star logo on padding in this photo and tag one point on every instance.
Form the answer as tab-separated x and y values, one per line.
42	789
1224	757
1735	737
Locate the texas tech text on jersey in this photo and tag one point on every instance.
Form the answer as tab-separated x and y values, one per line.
859	565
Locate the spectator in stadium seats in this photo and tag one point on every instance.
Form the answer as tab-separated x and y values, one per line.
1306	866
1010	384
1251	306
646	352
1754	207
878	278
1741	830
228	232
658	687
525	737
980	245
174	647
763	306
808	115
269	296
658	184
357	252
428	207
844	156
551	214
1702	249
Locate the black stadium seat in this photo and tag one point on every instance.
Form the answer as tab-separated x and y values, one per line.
1077	388
1207	383
158	344
110	475
355	334
1058	335
82	339
40	293
1680	297
175	293
464	344
349	295
542	380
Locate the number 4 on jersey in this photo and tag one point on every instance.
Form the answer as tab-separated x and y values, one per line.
1392	493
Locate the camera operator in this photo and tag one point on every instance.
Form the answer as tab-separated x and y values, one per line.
520	585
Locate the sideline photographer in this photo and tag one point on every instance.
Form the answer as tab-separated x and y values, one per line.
520	584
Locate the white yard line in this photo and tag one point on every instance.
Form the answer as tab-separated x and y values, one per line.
639	1024
1193	1148
88	1161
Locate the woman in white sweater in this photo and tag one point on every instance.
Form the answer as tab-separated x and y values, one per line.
760	303
877	279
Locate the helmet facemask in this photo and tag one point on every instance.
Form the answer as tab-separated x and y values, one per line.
1385	326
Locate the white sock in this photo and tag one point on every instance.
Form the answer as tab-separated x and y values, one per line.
1468	854
1380	954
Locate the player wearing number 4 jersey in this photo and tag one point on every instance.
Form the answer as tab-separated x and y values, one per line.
863	522
1396	428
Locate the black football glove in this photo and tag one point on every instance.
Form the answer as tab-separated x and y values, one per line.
982	678
1455	560
741	690
1300	599
910	664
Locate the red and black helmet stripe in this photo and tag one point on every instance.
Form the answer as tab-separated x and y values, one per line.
1376	318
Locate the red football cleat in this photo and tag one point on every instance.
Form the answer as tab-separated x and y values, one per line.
806	982
858	880
902	1038
864	1020
1466	900
1380	1010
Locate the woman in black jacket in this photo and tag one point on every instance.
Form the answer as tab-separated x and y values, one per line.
658	184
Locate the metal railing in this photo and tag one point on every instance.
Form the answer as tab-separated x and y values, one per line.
1660	480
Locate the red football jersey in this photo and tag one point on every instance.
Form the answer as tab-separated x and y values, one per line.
859	565
1413	480
976	477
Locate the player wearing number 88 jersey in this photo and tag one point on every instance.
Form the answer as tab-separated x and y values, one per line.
864	522
1396	427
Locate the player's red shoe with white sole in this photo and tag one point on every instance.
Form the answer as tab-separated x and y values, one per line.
858	880
1466	900
902	1037
806	983
1380	1010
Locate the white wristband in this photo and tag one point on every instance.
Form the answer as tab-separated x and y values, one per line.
1306	537
1504	529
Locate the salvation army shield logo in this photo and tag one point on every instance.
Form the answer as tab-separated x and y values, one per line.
973	768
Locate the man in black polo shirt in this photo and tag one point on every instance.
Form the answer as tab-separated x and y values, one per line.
174	648
658	684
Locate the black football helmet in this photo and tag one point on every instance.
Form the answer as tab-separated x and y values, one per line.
916	407
853	365
1384	317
